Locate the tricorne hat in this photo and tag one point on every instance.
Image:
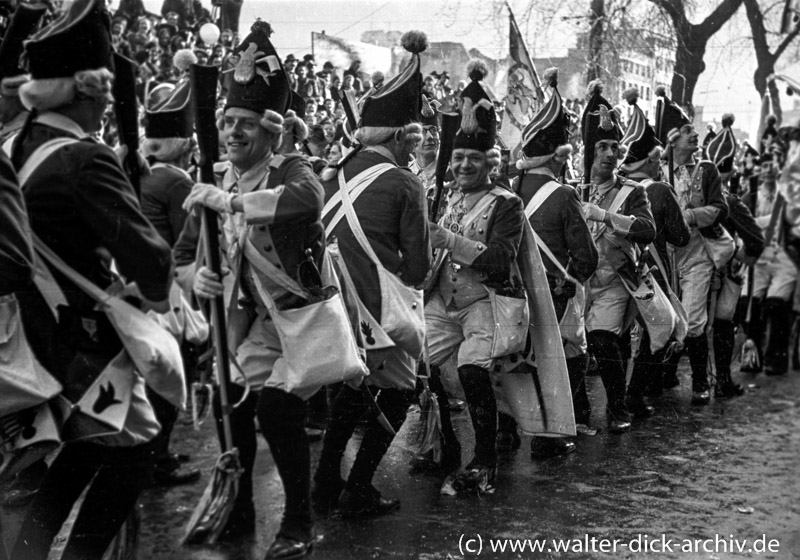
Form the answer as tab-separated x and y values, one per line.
259	82
722	148
669	117
478	118
598	122
548	133
399	101
173	117
639	140
24	20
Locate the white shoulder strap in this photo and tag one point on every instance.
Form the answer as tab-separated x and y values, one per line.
39	155
355	225
8	145
538	199
355	187
622	196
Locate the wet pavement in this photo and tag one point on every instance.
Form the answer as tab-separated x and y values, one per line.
730	470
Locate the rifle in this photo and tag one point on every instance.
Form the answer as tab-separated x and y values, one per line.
349	106
450	125
204	101
127	112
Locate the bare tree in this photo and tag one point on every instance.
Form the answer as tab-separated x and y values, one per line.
692	40
766	58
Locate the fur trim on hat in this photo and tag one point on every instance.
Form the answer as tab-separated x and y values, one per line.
166	149
47	94
727	120
561	154
272	121
661	91
493	157
771	119
377	135
631	95
9	87
673	134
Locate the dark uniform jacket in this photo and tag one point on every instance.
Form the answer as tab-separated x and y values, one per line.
81	205
642	231
284	213
670	226
559	222
16	253
163	193
393	214
484	251
741	222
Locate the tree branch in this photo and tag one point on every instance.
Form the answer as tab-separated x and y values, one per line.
787	41
718	17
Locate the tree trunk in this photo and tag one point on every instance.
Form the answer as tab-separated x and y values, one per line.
597	21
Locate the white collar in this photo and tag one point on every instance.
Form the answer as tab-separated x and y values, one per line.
61	122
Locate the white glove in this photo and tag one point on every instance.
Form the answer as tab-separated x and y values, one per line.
441	238
690	218
207	284
209	196
592	211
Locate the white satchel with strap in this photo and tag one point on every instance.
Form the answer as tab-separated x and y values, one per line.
402	307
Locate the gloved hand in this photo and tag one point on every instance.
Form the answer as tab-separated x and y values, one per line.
592	211
441	238
209	196
207	284
689	216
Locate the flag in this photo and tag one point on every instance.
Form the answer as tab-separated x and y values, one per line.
524	94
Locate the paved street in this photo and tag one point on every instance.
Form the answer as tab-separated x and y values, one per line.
730	469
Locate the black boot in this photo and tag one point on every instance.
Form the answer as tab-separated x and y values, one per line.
777	314
646	367
281	417
480	472
576	370
723	354
507	435
359	497
697	349
346	411
604	345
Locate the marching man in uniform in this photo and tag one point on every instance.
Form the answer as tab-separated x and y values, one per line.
642	165
620	217
271	206
555	214
477	241
698	187
391	215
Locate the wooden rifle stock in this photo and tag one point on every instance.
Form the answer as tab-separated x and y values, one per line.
450	125
204	101
126	110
